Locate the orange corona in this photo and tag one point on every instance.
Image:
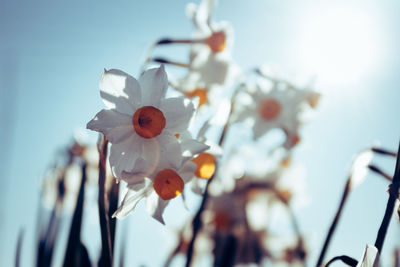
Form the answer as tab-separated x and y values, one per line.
269	109
205	165
148	121
217	41
168	184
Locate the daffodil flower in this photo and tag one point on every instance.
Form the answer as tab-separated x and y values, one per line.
278	108
140	122
210	62
159	187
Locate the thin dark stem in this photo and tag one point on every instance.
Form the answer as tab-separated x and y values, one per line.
106	257
389	207
72	254
377	170
170	62
346	259
197	223
113	196
228	252
172	255
334	224
166	41
19	248
384	151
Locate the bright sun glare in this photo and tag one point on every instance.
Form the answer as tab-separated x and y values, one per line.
340	45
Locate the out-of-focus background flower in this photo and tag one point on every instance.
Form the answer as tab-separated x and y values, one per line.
53	53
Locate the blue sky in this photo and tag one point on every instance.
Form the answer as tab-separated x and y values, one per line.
53	53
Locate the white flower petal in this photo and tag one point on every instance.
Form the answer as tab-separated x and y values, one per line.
187	171
184	200
124	154
155	206
177	111
214	69
370	257
133	178
132	197
119	91
191	147
171	150
154	84
198	186
114	125
150	157
260	128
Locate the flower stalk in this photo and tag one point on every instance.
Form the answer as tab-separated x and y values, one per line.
197	223
389	206
106	256
335	221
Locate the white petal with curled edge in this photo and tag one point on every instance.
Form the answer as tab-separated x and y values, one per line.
177	111
155	206
114	125
120	91
154	84
124	154
132	197
191	147
370	257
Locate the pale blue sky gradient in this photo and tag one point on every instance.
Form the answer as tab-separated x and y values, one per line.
52	54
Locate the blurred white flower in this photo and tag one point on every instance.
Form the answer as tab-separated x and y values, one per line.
140	122
278	107
210	63
359	168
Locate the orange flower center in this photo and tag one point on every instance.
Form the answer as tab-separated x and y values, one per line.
148	121
168	184
205	165
201	93
269	109
217	41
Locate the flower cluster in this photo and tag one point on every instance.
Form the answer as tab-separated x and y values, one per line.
148	136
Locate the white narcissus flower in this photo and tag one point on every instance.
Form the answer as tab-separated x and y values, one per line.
140	122
164	184
210	62
278	108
